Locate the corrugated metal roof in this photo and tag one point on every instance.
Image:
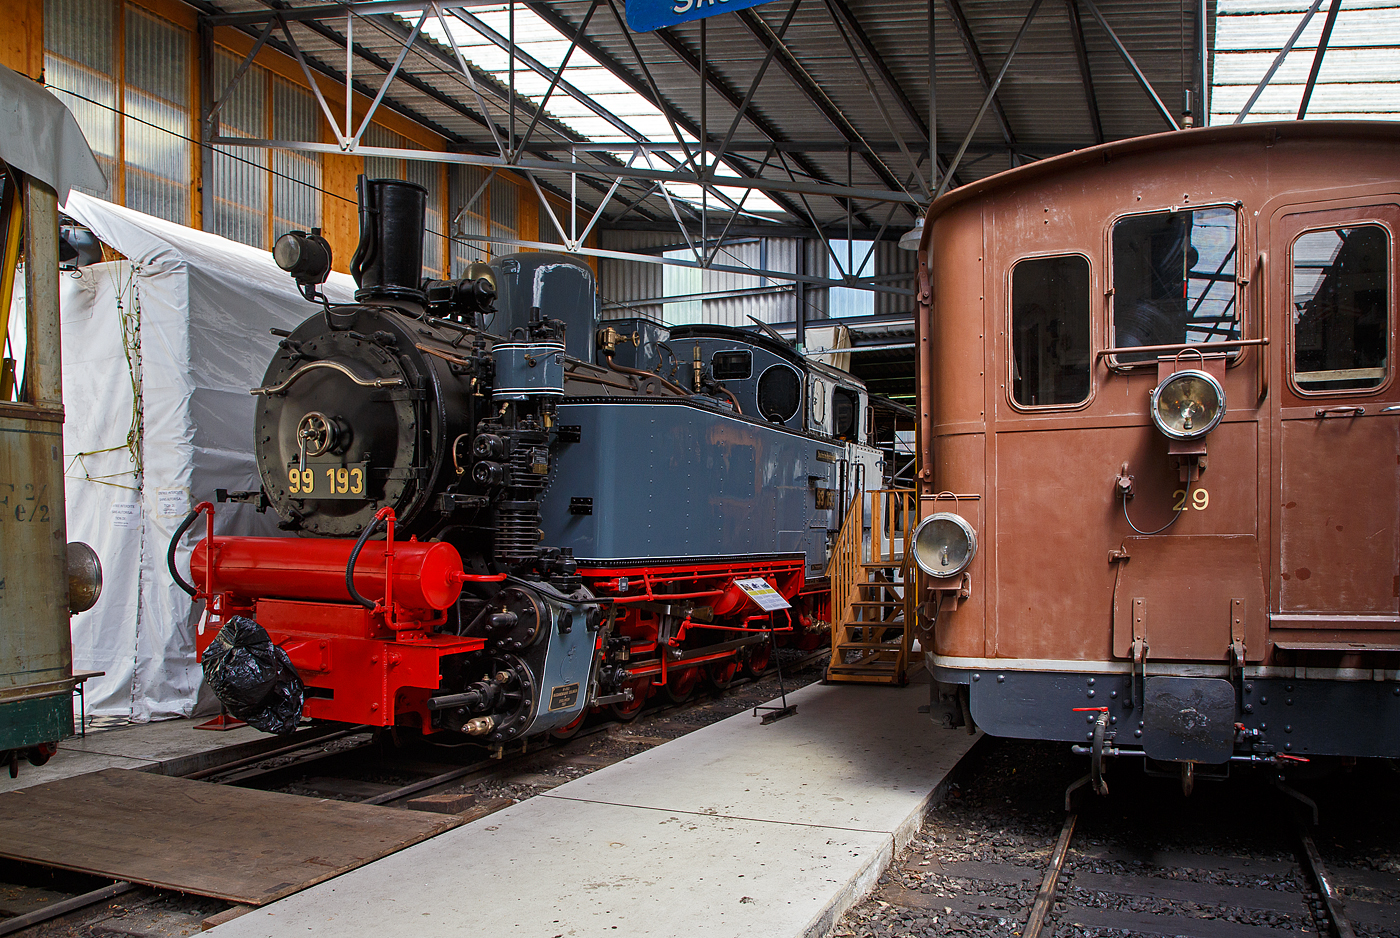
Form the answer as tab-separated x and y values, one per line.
851	74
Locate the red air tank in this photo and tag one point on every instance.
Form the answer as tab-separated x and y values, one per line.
427	574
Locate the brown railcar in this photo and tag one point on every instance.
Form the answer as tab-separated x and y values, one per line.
1224	591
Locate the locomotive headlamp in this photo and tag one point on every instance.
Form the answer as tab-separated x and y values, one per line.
1187	405
307	257
944	544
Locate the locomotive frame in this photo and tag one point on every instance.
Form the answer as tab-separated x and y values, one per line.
1126	578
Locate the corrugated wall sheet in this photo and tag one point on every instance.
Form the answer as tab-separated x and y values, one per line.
632	288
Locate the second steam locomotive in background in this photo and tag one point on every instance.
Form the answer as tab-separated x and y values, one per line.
572	516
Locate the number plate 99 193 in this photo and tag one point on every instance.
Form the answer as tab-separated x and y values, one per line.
326	480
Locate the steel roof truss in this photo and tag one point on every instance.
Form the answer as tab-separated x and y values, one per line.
735	214
1278	60
838	20
471	80
388	79
979	66
800	77
212	117
558	74
1322	44
757	80
1132	64
991	95
871	284
1076	32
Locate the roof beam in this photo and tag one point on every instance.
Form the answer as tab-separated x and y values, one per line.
602	57
1076	31
863	39
974	56
431	50
765	36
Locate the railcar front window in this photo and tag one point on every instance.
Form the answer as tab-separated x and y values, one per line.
1340	301
1050	331
1174	280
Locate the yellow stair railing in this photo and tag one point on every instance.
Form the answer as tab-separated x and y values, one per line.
869	604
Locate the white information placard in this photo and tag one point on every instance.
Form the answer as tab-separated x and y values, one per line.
768	599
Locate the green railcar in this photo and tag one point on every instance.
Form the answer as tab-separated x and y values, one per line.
42	154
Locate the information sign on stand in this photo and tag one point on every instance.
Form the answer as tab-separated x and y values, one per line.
759	590
645	15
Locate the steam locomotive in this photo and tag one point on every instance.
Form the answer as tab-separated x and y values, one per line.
503	514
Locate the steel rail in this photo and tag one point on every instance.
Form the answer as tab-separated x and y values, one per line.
1317	872
63	907
1046	896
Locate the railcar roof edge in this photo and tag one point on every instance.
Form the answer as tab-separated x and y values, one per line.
1155	143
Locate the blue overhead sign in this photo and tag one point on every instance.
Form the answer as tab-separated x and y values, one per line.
645	15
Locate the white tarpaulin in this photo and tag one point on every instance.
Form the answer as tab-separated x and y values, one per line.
159	353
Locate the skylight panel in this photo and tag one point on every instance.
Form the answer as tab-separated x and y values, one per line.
537	39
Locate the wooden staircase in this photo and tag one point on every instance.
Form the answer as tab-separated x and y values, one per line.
869	604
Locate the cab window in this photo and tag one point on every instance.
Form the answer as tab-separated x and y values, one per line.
1174	280
845	407
1050	356
1340	302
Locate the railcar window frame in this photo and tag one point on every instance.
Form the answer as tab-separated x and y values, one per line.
1011	358
1232	353
1388	322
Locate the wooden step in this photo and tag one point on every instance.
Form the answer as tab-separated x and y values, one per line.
886	646
879	603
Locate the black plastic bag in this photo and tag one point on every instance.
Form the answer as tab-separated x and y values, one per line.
253	678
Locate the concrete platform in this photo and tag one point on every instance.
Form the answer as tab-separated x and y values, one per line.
139	746
737	829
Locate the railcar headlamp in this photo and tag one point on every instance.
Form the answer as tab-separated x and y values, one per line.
944	544
1187	405
84	577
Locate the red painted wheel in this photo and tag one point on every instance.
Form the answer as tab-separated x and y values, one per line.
681	684
571	730
721	674
760	656
627	711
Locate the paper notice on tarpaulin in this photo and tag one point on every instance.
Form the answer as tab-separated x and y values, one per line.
126	514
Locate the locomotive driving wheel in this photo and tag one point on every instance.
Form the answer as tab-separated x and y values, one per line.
627	711
681	684
569	731
758	660
721	674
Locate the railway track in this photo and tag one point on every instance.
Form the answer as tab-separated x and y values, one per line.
1001	857
351	764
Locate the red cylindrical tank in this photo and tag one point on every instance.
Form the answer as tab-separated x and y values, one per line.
426	573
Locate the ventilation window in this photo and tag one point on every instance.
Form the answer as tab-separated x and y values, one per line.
1339	308
779	393
732	365
1174	280
1050	331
